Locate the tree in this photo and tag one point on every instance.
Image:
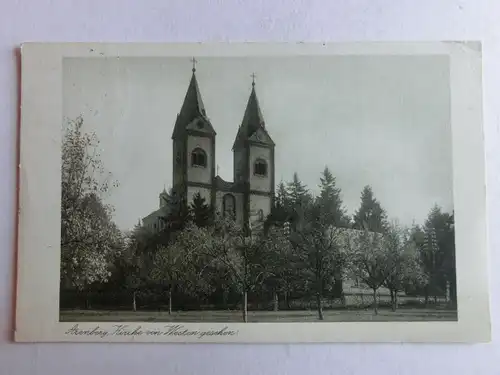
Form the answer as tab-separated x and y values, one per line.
281	210
441	225
370	216
332	214
282	198
167	269
199	211
432	259
368	260
136	260
403	262
284	263
178	266
297	192
330	201
449	263
130	263
235	253
176	212
299	200
320	244
90	240
437	253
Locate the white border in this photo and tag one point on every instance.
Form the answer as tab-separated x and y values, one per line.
37	305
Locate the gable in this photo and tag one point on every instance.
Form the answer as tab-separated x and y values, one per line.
261	136
200	125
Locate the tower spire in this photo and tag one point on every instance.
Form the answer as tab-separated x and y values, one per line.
192	108
252	119
194	61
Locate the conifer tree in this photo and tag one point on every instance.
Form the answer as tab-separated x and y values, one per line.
200	212
333	214
299	198
297	191
438	252
176	213
370	216
280	211
330	201
282	198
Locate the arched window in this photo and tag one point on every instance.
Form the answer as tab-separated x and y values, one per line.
229	205
261	215
260	168
198	158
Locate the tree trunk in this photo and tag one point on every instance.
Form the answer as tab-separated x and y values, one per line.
338	288
395	303
427	296
319	306
392	300
134	305
245	306
275	302
224	299
435	300
375	306
87	301
287	302
170	302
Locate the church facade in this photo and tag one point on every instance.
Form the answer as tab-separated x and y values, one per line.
249	197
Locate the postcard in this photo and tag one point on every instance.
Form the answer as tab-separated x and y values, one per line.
252	193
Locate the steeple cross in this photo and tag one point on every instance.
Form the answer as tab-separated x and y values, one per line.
253	78
194	61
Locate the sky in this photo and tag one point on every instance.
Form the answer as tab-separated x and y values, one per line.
382	121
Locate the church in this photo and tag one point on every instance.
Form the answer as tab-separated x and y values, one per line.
249	197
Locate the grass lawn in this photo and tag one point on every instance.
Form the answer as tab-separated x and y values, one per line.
404	314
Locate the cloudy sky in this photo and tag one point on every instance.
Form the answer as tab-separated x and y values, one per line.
383	121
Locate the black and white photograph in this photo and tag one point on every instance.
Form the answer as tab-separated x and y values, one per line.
257	189
222	189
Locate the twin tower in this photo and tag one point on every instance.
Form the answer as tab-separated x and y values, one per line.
249	197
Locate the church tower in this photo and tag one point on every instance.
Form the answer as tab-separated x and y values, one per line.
253	168
193	148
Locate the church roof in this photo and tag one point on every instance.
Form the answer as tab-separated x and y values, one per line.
193	111
223	185
253	123
160	212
